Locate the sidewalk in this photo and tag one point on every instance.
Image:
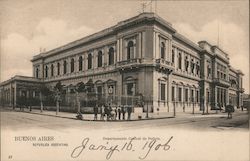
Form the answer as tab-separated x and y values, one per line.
134	116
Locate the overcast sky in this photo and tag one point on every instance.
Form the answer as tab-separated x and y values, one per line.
27	25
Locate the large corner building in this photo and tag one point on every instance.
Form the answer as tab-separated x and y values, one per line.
141	55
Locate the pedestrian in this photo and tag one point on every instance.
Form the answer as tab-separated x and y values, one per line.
129	109
229	110
110	112
95	112
116	112
123	112
106	111
119	112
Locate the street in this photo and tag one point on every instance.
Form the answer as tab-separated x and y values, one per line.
20	120
211	136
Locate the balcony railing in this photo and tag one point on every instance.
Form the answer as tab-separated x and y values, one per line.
129	62
242	90
221	81
164	63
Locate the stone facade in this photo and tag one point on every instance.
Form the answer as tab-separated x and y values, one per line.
144	55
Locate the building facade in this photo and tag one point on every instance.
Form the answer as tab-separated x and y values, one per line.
146	56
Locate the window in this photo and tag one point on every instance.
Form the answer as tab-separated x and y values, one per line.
197	96
111	56
110	89
186	63
179	94
52	70
208	96
58	68
186	95
192	95
46	71
192	66
163	48
64	67
37	72
179	60
80	63
130	50
99	92
208	71
99	59
163	89
197	68
72	65
130	88
173	94
89	61
99	89
173	55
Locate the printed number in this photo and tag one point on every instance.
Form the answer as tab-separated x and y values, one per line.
10	157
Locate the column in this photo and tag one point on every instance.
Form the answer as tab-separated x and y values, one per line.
215	96
157	50
121	50
139	44
94	60
85	61
154	44
117	52
227	96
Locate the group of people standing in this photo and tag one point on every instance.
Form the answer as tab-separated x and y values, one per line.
108	113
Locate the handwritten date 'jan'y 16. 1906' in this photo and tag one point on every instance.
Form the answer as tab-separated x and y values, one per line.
147	147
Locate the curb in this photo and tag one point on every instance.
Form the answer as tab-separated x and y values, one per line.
94	120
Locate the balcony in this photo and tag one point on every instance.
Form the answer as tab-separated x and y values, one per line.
128	64
221	82
241	90
164	64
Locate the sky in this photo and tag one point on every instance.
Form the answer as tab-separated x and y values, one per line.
28	25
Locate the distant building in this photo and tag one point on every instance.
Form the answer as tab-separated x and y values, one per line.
143	55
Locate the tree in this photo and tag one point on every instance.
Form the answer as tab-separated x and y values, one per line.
44	91
58	91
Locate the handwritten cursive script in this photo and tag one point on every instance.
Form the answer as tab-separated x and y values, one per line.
147	148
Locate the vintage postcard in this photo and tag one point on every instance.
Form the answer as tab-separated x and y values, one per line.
124	80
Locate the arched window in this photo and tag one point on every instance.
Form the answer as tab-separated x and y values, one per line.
37	72
52	70
197	68
64	67
72	65
46	71
58	68
173	55
80	63
163	48
111	56
130	50
192	65
179	60
99	59
186	63
89	61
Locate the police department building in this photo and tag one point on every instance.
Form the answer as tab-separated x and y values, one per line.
145	55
